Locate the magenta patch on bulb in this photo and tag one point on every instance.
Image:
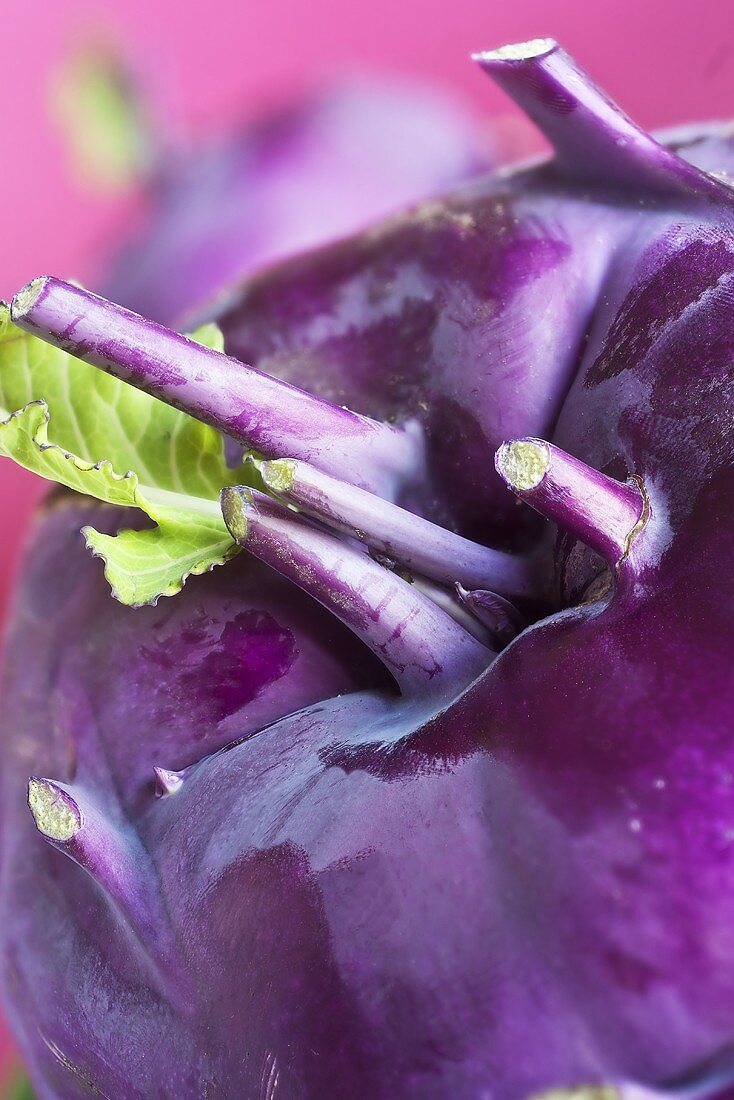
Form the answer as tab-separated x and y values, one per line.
225	667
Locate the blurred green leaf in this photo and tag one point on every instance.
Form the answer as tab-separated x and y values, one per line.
19	1088
95	103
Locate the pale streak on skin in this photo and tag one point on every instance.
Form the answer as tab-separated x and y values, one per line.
270	1076
63	1059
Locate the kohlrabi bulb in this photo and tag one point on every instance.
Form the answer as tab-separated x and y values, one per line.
429	794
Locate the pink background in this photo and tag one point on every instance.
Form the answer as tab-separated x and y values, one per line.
210	63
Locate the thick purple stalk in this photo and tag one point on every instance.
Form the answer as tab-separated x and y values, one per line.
400	535
117	862
254	408
426	651
602	512
594	140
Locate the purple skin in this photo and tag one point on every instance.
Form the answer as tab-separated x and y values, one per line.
520	885
218	211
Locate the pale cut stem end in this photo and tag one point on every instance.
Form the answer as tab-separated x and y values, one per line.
26	298
233	502
279	474
623	1091
518	51
113	856
55	812
523	463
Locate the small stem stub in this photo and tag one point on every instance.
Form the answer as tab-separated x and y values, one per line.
501	618
56	814
167	782
604	513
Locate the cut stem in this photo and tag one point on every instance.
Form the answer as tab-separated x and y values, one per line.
602	512
426	651
593	138
116	861
256	409
422	546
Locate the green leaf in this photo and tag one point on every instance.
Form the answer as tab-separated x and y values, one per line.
209	336
141	566
82	428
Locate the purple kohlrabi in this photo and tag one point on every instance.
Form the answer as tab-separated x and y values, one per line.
445	771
